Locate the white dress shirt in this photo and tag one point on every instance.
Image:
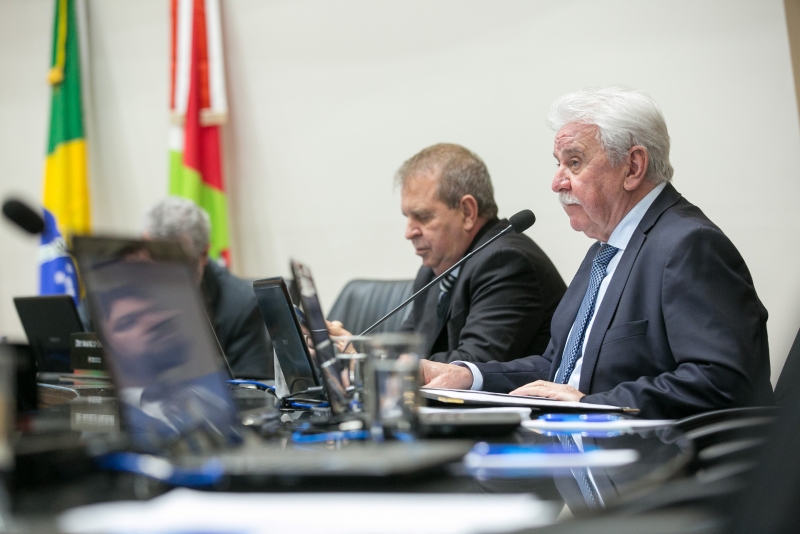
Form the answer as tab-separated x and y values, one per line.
619	238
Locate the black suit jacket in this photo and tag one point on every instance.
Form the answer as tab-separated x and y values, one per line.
680	329
232	307
501	303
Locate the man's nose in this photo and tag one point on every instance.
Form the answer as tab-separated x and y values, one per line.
560	180
412	230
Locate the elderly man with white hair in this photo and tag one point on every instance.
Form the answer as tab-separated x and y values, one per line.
230	302
662	314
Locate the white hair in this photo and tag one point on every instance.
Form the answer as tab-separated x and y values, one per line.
174	217
624	118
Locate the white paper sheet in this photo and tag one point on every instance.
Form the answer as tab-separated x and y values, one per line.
183	510
502	399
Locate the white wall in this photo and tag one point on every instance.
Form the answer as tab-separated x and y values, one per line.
328	98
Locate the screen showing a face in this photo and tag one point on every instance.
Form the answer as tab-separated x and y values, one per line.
324	352
161	351
285	333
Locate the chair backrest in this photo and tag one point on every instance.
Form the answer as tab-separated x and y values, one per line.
789	381
362	302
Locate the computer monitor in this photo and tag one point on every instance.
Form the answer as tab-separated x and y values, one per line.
159	345
283	326
48	322
324	356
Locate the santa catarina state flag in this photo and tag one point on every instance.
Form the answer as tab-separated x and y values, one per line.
198	107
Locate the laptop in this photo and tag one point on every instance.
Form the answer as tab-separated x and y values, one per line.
48	322
159	345
283	325
174	399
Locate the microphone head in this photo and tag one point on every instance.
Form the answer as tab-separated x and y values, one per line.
522	220
23	216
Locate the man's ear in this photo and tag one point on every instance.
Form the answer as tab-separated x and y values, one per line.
469	211
638	162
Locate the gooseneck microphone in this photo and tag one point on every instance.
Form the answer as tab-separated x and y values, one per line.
23	216
519	222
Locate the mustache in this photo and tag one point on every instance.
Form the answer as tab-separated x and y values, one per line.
566	199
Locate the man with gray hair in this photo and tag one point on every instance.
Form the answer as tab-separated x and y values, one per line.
496	306
229	301
662	314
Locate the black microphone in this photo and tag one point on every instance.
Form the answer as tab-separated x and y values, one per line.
519	222
23	216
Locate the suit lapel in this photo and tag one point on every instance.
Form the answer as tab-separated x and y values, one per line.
608	308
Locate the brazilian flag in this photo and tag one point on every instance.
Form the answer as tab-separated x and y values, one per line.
66	187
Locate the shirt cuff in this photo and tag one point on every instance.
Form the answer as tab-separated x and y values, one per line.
477	377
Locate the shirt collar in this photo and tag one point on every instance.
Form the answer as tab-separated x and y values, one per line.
622	233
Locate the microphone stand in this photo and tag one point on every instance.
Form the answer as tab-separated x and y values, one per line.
436	280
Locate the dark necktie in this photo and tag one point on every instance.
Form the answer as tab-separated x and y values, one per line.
445	287
575	340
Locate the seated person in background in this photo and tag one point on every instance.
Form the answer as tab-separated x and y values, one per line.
229	301
662	314
496	306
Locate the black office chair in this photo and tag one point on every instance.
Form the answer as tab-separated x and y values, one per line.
362	302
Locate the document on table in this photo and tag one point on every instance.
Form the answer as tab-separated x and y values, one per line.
184	510
464	396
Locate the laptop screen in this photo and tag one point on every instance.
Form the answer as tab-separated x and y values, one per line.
48	322
324	354
284	331
159	345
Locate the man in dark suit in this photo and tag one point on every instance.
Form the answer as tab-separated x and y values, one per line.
497	305
229	301
662	314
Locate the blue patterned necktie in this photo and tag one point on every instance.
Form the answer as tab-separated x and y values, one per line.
575	340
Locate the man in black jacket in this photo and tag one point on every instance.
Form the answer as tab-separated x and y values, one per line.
230	302
497	305
662	314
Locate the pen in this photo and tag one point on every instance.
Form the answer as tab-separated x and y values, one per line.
579	418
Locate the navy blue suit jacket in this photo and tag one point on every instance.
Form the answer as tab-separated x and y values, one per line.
680	329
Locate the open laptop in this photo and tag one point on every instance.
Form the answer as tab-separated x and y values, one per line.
160	348
294	358
174	400
48	322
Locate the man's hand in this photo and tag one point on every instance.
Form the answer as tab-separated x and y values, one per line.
540	388
336	330
445	375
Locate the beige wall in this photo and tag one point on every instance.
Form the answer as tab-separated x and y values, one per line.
328	98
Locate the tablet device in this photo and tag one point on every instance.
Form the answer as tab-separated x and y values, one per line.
324	358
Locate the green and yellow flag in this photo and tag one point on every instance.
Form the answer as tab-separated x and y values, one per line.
66	181
66	188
